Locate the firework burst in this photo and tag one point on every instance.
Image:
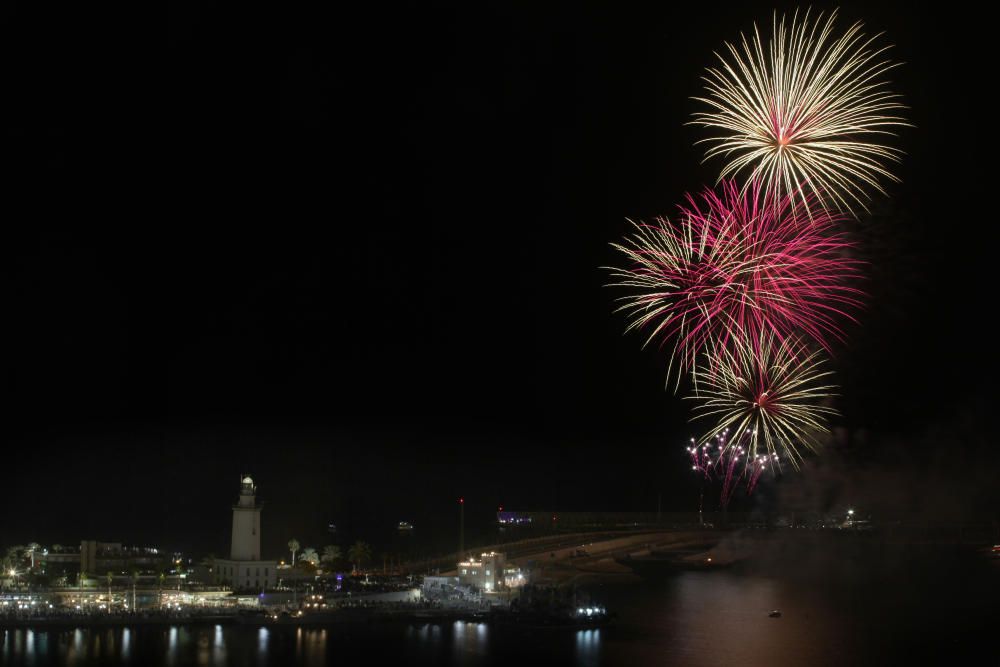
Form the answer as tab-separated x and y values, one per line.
729	462
733	268
807	113
767	390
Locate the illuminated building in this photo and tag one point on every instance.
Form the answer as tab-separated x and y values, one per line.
486	574
244	569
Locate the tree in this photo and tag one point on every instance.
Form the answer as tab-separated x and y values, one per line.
180	569
331	554
310	556
14	555
293	546
111	577
359	554
209	563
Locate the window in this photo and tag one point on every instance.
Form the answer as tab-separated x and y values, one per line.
464	571
265	571
258	572
487	573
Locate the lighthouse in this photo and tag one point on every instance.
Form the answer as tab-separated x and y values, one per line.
244	570
246	523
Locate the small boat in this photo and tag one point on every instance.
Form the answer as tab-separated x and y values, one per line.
774	613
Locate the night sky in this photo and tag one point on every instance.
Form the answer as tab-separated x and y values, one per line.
357	254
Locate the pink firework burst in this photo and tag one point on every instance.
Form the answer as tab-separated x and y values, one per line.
729	462
738	264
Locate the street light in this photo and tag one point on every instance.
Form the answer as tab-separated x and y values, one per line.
850	517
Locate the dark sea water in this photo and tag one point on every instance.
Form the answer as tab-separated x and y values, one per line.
939	612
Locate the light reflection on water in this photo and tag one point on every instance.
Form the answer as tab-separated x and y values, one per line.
172	647
470	642
29	643
588	646
692	620
225	646
262	636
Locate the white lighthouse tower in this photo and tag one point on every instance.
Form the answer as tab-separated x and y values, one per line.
246	523
244	569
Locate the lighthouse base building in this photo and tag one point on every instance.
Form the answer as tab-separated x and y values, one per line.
244	570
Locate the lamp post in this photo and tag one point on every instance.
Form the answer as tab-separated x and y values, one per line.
461	528
850	517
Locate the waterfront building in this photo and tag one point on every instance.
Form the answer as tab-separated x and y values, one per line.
96	558
513	576
513	518
245	569
486	574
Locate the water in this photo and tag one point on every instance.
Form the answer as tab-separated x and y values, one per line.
942	613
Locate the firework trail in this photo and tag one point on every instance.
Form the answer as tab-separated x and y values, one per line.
756	468
734	267
807	112
732	466
701	459
729	463
769	390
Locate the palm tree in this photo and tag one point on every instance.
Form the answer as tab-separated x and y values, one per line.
209	562
309	555
14	554
293	546
111	577
179	567
331	554
359	553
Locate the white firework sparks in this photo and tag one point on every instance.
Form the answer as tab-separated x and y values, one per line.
768	392
807	113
